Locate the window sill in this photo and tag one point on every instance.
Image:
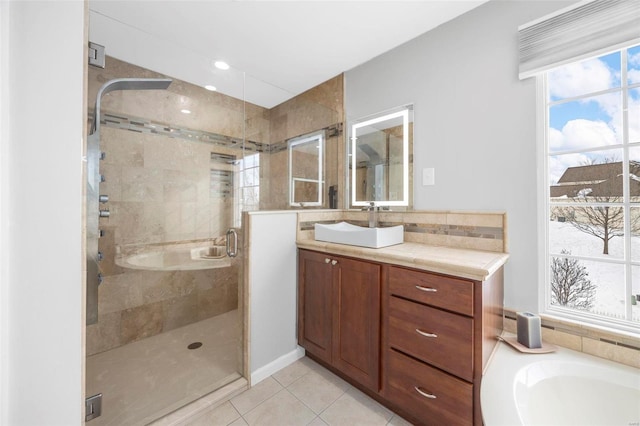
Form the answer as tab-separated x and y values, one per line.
614	345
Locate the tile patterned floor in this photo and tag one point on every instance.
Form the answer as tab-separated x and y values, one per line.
304	393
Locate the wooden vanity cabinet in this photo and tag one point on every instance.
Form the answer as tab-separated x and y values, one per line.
438	333
339	314
417	341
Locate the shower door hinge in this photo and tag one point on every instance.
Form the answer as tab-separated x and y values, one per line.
92	407
96	55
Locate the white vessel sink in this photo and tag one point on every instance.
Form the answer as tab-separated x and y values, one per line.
346	233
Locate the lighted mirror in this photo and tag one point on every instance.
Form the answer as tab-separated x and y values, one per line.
380	152
305	169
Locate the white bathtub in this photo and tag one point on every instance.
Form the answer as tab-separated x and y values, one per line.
172	258
560	388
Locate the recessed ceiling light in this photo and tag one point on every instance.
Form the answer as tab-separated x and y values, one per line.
210	87
221	65
185	111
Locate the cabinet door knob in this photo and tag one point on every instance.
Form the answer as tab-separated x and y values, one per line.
334	262
425	394
327	260
429	289
425	334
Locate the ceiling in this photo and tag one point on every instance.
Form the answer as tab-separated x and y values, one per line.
276	49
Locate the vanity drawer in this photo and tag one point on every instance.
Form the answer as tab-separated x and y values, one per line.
431	396
441	338
444	292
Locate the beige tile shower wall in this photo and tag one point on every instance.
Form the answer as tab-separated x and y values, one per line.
312	110
134	304
159	185
210	111
159	189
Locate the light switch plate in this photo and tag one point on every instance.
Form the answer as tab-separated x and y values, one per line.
428	176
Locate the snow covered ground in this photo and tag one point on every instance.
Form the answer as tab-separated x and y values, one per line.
609	278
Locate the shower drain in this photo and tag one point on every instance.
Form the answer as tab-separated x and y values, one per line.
194	345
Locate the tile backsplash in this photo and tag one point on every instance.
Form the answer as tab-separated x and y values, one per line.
470	230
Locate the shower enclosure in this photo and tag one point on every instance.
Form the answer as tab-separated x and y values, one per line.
168	179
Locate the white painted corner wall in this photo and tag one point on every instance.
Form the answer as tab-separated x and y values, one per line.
474	123
42	115
4	210
272	292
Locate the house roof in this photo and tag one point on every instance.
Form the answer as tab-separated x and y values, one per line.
601	180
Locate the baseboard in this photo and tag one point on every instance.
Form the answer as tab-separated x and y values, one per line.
263	372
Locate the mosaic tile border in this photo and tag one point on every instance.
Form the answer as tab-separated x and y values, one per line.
144	125
448	230
457	230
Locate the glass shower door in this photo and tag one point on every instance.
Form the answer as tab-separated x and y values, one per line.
169	320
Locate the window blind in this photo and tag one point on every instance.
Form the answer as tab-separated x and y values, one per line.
587	29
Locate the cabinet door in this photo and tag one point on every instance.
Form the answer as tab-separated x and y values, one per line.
315	292
356	319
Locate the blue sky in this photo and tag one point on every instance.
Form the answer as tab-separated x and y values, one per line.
591	121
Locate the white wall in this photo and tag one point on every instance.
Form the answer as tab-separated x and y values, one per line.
273	292
475	123
4	210
41	122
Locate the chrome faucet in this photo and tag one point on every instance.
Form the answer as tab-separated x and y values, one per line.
373	214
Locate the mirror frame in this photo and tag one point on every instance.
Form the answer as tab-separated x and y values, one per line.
404	113
315	137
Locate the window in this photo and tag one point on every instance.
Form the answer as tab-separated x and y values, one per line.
592	263
247	185
306	155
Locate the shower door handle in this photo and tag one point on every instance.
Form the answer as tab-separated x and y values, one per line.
232	252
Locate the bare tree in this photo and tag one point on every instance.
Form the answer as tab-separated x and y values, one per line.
595	217
603	222
570	285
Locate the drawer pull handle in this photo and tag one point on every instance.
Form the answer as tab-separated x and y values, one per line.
432	290
327	260
334	262
425	334
425	394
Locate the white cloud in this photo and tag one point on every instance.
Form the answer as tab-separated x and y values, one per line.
577	134
579	78
634	119
588	77
556	140
634	59
584	134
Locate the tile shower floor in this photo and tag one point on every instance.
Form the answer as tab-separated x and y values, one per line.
160	374
304	393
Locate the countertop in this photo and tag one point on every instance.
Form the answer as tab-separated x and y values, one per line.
465	263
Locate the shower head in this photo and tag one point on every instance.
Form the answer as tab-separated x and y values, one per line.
136	84
93	184
126	84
